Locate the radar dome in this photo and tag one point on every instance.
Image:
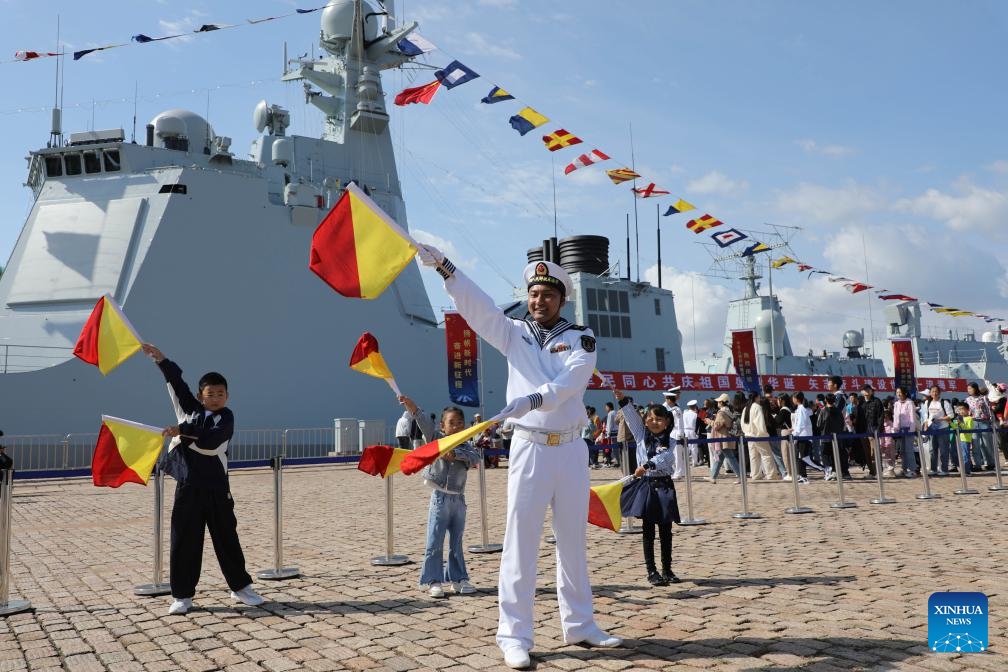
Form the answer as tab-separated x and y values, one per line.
988	337
172	125
853	339
337	23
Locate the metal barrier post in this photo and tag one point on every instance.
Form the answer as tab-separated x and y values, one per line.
7	605
745	514
157	586
793	454
486	546
842	503
688	478
997	463
626	527
881	499
66	451
389	559
924	466
278	571
963	459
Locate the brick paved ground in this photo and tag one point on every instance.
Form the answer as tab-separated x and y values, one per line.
832	590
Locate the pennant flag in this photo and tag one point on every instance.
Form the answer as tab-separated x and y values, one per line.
526	120
703	223
896	297
455	74
429	452
838	278
729	237
367	360
381	460
804	267
679	206
962	313
125	453
594	156
754	248
604	505
855	287
559	139
84	52
210	27
783	261
29	55
496	95
415	44
358	250
619	175
418	94
649	191
107	339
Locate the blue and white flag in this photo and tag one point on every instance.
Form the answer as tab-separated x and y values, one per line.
415	44
728	237
455	74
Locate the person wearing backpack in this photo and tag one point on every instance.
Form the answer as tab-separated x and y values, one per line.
938	415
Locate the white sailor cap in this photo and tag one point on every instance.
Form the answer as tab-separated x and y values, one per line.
672	391
691	402
548	273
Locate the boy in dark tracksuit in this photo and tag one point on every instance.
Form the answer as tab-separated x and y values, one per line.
197	460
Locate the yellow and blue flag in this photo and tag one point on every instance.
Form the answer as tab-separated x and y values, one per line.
496	95
679	206
526	120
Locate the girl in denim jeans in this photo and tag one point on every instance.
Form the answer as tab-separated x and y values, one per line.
447	515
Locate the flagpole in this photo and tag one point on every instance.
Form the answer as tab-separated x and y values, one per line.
657	209
773	335
871	320
553	172
633	167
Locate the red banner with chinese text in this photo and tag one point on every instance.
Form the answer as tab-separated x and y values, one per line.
743	345
903	365
463	379
730	382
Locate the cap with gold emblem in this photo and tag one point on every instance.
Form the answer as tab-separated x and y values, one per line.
548	273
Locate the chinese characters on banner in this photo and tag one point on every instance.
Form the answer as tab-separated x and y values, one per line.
463	380
903	365
703	383
743	346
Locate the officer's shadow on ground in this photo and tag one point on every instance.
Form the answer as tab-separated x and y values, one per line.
840	652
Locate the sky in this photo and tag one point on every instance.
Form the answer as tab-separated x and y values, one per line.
870	135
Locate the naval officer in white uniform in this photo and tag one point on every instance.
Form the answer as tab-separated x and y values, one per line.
550	362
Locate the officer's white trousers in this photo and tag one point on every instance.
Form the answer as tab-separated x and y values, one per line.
541	476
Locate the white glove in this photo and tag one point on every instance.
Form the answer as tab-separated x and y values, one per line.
430	256
516	408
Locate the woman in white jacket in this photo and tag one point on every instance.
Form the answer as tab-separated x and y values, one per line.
754	426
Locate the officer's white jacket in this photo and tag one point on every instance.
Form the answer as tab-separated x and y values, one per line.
553	367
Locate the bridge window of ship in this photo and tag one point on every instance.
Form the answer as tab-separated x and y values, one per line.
111	159
609	312
659	355
172	189
92	162
73	164
54	165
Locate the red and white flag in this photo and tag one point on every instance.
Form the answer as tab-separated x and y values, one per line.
650	191
594	156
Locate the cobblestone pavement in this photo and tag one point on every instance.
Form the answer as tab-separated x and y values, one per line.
831	590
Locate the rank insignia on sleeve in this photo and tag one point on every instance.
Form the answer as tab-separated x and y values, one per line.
588	343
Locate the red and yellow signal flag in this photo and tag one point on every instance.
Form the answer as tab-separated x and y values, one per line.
368	360
604	505
358	250
429	452
107	339
381	460
126	452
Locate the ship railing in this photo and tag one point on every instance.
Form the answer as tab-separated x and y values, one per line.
18	358
36	173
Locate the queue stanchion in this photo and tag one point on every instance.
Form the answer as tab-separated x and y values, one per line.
881	499
688	479
997	463
745	513
486	546
390	558
841	503
278	572
157	585
626	527
925	459
963	459
7	605
797	508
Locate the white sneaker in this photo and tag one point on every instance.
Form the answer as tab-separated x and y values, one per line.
517	658
600	639
787	478
463	587
436	590
802	480
247	596
180	606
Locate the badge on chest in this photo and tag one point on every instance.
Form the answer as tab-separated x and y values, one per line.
559	347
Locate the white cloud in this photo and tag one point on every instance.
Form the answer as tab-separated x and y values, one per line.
999	166
972	208
481	44
827	204
833	151
716	183
701	308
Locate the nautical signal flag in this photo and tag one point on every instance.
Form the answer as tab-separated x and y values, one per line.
703	223
855	287
368	360
418	94
358	250
729	237
783	261
754	248
429	452
455	74
604	505
594	156
126	452
415	44
496	95
804	267
896	297
107	339
559	139
526	120
679	206
381	460
649	191
620	175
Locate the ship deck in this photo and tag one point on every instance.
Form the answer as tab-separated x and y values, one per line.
832	590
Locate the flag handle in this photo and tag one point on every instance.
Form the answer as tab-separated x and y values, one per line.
395	388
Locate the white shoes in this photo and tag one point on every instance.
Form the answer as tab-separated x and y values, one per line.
436	590
517	658
600	639
180	606
247	596
787	478
463	587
